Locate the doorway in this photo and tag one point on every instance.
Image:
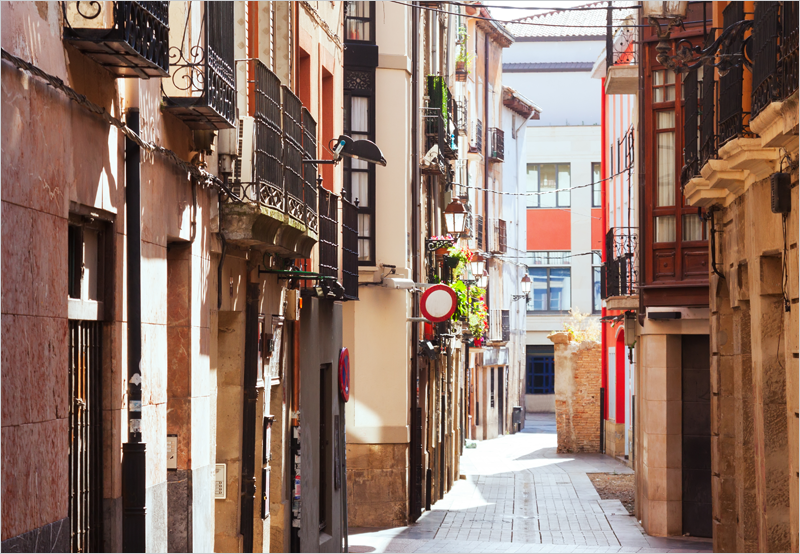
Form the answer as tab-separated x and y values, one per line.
696	435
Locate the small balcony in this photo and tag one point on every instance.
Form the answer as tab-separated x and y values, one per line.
622	63
476	140
129	39
497	149
201	90
620	275
461	116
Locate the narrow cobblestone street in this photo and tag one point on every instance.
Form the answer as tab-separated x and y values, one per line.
520	496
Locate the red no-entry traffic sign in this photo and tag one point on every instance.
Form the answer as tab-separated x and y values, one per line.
438	303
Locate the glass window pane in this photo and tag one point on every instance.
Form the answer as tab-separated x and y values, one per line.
359	114
692	228
363	250
563	183
658	78
658	95
669	93
560	289
364	227
360	187
665	143
537	258
665	119
665	228
532	185
538	298
596	188
670	77
547	184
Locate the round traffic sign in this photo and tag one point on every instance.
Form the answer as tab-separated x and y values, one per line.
344	374
438	303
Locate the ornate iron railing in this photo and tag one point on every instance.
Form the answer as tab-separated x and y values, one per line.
732	119
293	155
201	90
708	139
328	233
268	146
310	170
620	274
621	47
461	116
789	61
133	42
436	133
478	138
497	149
691	113
267	94
350	249
766	81
506	325
479	231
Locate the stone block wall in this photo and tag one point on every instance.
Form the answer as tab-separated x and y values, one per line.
376	485
578	376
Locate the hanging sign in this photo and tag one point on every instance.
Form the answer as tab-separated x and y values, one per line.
438	303
344	374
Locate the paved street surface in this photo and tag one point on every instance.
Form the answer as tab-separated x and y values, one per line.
520	496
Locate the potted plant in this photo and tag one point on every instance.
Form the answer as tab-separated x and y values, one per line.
463	58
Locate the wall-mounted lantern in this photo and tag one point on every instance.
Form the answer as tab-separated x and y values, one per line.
525	284
478	266
483	279
455	217
665	10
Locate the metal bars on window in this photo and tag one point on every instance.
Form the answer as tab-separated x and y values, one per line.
85	436
708	140
789	61
496	145
293	155
620	275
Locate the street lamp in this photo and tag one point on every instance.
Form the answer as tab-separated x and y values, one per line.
455	218
526	288
478	266
483	279
665	10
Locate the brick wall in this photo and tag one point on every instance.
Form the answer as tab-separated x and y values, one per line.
577	390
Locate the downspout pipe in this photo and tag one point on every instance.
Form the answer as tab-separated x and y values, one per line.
249	398
604	222
415	473
486	145
134	468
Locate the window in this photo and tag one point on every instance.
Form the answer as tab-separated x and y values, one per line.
359	22
359	176
665	158
663	85
551	287
596	186
597	260
549	184
540	375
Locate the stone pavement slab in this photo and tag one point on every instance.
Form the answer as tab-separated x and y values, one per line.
520	495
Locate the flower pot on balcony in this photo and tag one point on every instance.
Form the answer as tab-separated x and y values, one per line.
461	71
450	261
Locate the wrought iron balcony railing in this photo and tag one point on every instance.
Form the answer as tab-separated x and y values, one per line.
328	234
497	147
461	116
293	155
621	47
789	61
476	141
130	39
691	113
350	249
201	90
766	80
436	133
708	139
478	231
620	274
732	120
310	170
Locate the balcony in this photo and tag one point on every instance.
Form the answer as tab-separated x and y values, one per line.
328	234
497	236
461	116
201	90
619	278
499	326
310	170
476	140
129	39
253	212
622	63
350	249
478	232
497	149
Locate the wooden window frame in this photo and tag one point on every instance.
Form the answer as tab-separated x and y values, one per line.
370	19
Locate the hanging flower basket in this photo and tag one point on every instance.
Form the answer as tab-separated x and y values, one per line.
451	261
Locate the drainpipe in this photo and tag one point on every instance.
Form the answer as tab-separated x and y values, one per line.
604	222
249	398
415	473
134	451
486	145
